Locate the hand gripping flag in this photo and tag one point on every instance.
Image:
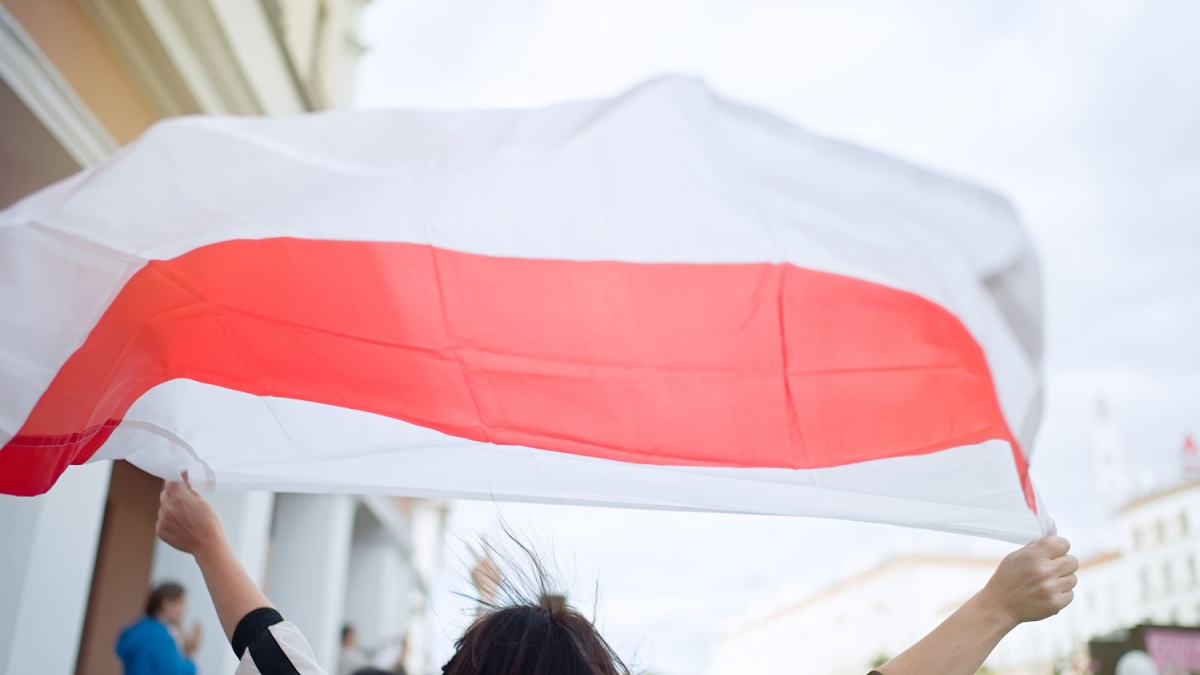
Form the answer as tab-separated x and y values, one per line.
660	300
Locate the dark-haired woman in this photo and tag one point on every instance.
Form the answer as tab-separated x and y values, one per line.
147	647
546	637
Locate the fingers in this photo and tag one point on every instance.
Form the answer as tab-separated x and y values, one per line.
178	501
187	483
177	492
173	490
1066	565
1067	583
166	506
1065	599
1053	546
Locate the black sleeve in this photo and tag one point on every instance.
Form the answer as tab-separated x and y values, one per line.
251	627
274	646
252	634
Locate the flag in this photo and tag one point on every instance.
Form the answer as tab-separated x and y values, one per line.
661	300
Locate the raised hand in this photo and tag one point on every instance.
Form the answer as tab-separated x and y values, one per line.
191	641
1031	583
1034	582
486	575
186	520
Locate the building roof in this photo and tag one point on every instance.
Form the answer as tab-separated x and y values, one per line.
1159	494
1100	558
860	579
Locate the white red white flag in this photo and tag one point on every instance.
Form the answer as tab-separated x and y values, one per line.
661	300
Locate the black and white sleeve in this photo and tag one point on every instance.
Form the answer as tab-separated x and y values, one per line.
268	645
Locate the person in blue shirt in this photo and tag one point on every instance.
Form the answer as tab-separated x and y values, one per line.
147	647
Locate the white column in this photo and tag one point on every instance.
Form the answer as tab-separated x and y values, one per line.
378	601
47	553
246	517
428	528
394	604
367	561
306	578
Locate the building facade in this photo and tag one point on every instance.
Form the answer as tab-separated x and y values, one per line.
78	79
856	624
1151	577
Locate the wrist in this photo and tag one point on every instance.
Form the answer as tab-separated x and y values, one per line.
211	549
993	612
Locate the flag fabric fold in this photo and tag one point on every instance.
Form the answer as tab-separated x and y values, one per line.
661	300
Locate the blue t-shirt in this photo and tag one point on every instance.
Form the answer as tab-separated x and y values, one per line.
147	648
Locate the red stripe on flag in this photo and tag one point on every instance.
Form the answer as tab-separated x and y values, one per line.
673	364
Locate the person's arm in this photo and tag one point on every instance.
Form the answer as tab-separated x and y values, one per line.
188	522
264	642
191	639
1031	584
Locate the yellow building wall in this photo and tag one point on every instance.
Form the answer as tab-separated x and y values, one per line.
73	43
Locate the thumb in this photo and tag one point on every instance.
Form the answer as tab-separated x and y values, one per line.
184	479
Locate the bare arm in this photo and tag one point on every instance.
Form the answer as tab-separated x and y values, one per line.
1032	583
188	522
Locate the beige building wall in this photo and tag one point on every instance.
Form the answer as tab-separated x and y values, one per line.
72	42
122	572
78	78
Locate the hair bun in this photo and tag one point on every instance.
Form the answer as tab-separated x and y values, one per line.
553	603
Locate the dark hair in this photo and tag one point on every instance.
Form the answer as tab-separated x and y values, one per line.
549	638
523	636
161	594
346	630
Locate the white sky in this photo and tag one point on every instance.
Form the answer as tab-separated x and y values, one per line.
1086	114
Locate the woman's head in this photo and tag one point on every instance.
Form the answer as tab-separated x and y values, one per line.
546	638
167	603
525	627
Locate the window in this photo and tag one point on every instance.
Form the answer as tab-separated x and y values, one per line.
1144	576
1137	538
1193	573
1160	531
1167	581
1183	524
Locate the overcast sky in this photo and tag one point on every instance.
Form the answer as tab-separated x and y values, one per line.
1086	114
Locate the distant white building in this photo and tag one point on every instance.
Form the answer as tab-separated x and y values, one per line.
1149	574
847	628
1152	578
